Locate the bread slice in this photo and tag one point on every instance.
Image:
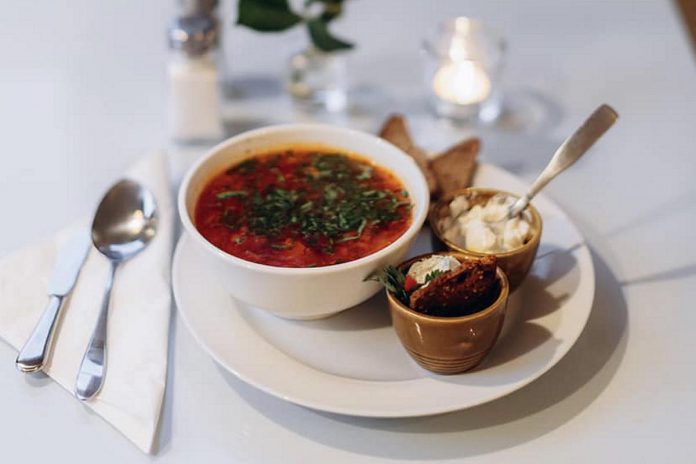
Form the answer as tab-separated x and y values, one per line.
466	290
396	132
454	169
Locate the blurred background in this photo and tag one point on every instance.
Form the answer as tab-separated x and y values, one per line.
83	84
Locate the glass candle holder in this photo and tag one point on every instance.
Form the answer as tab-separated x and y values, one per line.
462	71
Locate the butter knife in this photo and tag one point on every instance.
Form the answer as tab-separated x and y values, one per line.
32	356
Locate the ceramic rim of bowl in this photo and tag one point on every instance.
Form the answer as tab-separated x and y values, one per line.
502	295
419	216
434	216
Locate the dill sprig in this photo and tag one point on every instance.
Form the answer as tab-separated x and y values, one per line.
392	278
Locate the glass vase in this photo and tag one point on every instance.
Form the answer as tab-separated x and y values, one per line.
318	80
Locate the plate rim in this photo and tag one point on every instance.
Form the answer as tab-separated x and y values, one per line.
582	253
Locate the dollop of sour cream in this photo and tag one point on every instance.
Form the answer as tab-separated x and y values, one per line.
483	228
421	269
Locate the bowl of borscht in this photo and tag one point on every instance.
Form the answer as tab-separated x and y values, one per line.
294	218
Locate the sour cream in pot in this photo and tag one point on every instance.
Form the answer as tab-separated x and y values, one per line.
483	228
420	270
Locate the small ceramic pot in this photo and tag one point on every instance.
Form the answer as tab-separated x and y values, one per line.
449	345
516	263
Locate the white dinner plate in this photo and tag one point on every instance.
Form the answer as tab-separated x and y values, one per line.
353	363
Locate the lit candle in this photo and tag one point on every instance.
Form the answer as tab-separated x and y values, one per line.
462	82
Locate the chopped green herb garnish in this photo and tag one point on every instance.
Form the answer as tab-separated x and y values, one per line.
245	167
334	205
231	194
230	219
433	274
362	225
279	175
365	174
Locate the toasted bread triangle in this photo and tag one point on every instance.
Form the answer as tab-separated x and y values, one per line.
454	169
396	132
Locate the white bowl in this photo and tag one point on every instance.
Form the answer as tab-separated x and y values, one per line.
302	293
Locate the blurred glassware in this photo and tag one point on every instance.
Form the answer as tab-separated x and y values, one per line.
318	79
463	64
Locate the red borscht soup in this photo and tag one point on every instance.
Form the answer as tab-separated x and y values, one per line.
303	207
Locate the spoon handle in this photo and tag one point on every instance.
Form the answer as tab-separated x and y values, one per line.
90	377
569	152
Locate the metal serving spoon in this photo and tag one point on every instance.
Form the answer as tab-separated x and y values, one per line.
568	153
124	224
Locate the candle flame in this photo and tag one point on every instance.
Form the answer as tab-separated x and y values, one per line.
462	82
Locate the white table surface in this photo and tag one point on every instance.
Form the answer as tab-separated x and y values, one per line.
82	96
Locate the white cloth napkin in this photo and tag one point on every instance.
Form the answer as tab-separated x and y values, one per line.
138	327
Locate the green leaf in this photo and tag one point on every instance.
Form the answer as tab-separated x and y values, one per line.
266	15
322	38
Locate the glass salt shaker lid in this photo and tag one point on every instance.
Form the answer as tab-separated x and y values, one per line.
193	34
198	6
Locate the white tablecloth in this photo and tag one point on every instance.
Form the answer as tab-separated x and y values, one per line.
82	95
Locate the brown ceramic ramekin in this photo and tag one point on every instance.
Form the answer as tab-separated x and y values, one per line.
449	345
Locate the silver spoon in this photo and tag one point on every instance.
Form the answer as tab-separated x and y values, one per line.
124	224
568	153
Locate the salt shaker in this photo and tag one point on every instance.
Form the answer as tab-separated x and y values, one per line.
206	7
194	97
